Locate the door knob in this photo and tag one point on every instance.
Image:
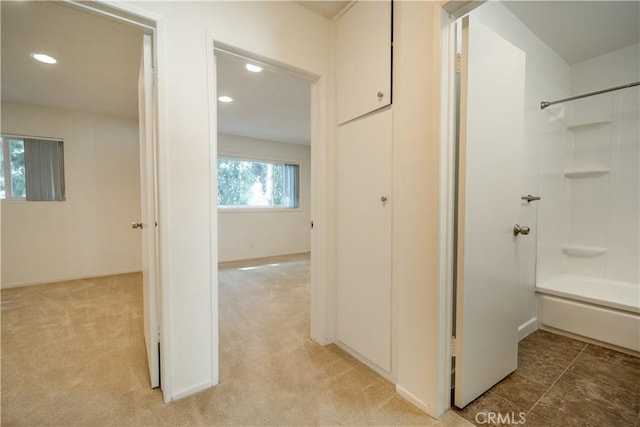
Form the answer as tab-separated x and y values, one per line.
383	199
380	95
136	225
520	229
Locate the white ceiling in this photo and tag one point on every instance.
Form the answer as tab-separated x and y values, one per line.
580	30
328	8
99	59
271	104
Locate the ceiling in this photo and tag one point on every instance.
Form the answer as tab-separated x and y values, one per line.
99	59
272	104
580	30
328	9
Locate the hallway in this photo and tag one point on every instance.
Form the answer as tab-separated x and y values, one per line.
73	354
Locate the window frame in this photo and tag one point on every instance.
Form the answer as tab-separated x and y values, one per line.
259	159
6	159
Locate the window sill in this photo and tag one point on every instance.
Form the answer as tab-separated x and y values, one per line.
257	210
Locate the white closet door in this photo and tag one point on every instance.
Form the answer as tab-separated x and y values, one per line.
491	143
363	59
364	237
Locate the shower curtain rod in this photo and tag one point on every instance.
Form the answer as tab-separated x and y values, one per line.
545	104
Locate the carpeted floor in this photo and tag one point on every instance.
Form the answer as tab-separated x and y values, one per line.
73	354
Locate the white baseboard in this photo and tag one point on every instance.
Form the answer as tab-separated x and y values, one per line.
415	401
527	328
192	390
66	279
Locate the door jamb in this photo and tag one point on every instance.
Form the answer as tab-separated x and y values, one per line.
451	11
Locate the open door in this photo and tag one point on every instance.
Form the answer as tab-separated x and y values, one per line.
492	90
148	224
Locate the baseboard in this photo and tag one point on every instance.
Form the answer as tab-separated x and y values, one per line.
259	257
409	397
527	328
192	390
365	361
65	279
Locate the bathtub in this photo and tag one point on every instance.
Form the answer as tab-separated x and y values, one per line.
599	310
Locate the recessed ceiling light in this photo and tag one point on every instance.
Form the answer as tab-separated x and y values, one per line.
253	68
44	58
225	99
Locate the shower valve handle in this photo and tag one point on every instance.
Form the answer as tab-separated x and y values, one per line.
529	198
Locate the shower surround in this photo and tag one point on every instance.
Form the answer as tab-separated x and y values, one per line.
588	221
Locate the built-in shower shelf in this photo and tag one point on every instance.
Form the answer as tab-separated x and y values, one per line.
585	173
582	251
581	126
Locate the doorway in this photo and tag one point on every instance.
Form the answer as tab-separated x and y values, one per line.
265	171
89	98
544	140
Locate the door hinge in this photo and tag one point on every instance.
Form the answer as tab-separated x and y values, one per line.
312	225
453	347
158	333
458	63
153	76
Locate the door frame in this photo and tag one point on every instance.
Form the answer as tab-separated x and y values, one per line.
322	299
152	24
450	13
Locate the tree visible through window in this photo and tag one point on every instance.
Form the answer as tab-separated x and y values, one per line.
31	169
250	183
13	179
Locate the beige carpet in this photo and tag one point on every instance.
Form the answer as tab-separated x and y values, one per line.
73	354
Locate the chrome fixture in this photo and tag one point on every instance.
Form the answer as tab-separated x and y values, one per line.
529	198
545	104
520	229
136	225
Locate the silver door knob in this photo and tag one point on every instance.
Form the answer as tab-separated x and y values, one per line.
520	229
383	199
380	95
136	225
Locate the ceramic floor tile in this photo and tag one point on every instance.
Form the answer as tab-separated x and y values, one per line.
520	390
540	369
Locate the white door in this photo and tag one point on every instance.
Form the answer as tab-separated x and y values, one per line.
491	139
147	224
364	237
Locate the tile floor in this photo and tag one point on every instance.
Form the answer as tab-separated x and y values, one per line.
564	382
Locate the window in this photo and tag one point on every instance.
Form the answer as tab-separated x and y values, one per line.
31	169
257	184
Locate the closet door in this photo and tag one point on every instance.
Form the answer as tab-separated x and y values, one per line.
364	237
363	59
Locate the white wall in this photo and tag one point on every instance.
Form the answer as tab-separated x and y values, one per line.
416	341
279	31
547	78
254	233
90	233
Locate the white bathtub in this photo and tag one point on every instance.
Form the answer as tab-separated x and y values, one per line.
597	309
